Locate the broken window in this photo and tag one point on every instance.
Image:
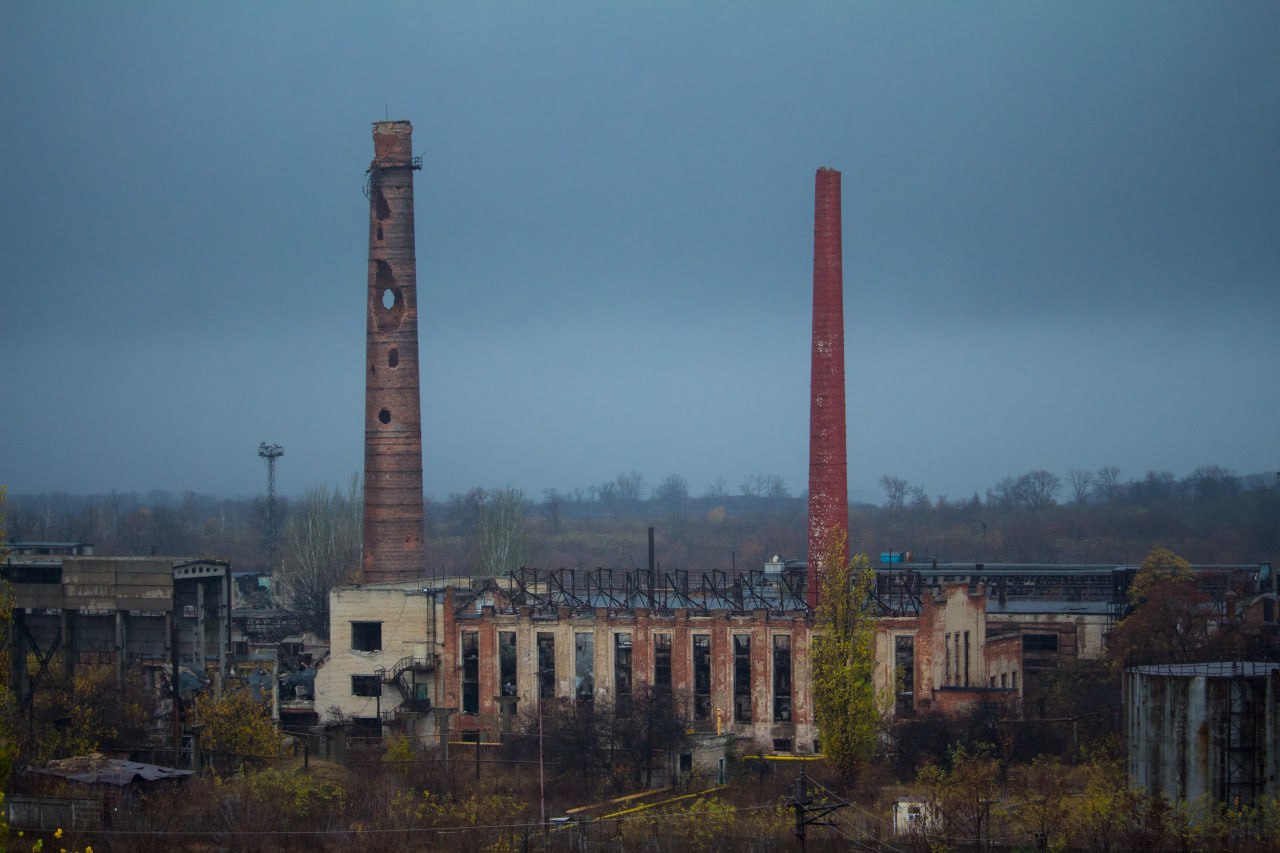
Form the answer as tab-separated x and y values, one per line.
966	658
782	678
366	636
507	663
584	667
470	672
946	644
742	678
1040	643
956	672
546	665
904	674
702	676
366	685
662	662
622	672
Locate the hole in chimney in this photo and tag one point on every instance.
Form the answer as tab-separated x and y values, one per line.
379	232
385	416
390	311
381	208
393	357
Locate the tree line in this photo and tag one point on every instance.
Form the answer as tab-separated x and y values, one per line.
1211	515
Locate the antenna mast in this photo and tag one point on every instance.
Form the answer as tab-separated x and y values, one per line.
271	452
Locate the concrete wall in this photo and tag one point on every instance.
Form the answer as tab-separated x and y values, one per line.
1203	730
406	615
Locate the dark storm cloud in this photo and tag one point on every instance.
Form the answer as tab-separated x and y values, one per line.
1062	239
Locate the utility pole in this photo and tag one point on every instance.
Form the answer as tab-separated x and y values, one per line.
984	823
808	814
271	452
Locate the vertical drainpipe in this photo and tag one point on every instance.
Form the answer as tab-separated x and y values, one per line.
828	467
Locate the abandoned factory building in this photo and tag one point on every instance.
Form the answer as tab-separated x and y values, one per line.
464	656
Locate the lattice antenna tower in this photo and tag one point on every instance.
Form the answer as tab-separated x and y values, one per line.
271	452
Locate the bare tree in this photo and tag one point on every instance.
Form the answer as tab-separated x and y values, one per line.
1033	490
1108	482
717	489
463	511
1081	483
1213	482
672	494
551	508
1039	488
502	532
323	538
895	491
630	487
775	488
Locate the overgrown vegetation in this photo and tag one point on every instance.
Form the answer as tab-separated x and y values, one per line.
842	658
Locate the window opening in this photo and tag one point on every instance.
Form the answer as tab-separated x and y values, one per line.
622	672
366	685
470	672
584	667
662	662
702	676
742	678
904	674
366	636
546	665
507	663
782	679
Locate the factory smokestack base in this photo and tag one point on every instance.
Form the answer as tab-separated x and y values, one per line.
393	508
828	467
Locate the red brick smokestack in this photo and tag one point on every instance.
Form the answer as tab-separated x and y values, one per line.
828	470
393	511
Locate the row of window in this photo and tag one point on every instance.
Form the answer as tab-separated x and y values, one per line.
954	674
1007	680
584	671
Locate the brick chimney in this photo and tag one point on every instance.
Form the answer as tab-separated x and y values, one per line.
828	469
393	507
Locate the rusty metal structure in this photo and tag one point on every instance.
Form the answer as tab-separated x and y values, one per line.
393	502
621	591
828	469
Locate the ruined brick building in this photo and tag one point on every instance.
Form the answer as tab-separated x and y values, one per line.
460	657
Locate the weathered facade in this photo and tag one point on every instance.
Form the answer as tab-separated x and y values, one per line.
384	656
745	673
733	653
945	658
123	612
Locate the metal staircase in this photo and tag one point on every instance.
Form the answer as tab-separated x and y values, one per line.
398	673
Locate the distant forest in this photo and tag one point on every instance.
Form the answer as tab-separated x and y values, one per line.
1212	515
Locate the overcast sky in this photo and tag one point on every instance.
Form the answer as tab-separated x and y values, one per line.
1061	238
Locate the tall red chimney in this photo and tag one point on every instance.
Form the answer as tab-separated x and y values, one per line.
828	471
393	507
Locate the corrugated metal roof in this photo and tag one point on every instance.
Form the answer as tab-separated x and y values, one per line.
111	771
